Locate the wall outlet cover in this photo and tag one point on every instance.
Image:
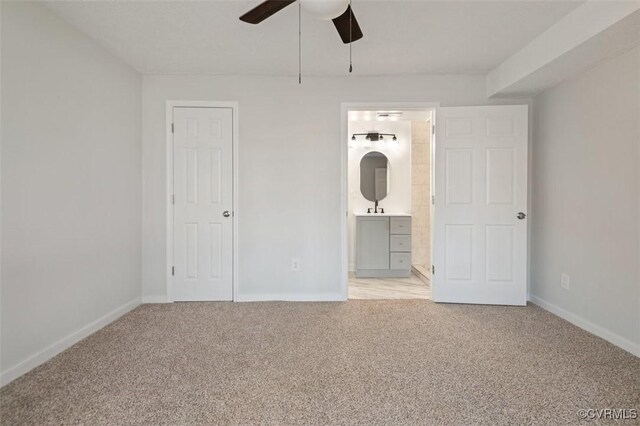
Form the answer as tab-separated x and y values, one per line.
295	264
565	281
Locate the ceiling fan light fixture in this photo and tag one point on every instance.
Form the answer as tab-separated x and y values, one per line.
325	9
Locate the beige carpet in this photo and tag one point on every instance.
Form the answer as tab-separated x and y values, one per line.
360	362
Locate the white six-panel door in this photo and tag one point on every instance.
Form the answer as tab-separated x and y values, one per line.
203	192
480	225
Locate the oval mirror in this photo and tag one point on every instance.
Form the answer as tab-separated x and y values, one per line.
374	176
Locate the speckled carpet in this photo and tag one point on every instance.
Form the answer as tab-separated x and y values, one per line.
359	362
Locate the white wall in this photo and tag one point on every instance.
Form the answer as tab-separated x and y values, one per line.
71	186
290	160
586	200
398	154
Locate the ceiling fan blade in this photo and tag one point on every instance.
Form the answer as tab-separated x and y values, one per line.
264	10
347	26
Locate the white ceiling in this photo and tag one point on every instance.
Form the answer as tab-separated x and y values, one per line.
400	37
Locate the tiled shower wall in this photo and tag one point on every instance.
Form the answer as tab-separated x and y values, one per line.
420	194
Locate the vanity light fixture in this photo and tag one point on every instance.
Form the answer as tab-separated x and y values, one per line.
374	136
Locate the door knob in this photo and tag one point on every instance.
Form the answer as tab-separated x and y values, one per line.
226	213
521	216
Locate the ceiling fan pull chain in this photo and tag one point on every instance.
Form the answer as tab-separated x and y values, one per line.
350	38
299	46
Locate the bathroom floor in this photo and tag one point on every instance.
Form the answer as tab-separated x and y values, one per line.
388	288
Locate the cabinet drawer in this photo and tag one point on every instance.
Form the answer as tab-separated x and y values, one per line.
401	225
400	260
400	243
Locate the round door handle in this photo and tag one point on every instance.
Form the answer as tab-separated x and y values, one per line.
226	213
521	216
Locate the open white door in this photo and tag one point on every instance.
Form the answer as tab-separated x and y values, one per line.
480	225
203	201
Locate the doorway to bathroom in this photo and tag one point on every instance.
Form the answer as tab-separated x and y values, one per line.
478	228
388	203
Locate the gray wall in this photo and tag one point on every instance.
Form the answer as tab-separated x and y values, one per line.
290	159
586	199
71	182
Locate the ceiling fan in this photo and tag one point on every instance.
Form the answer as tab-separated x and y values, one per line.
339	11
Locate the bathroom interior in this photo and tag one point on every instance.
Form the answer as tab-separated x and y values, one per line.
389	205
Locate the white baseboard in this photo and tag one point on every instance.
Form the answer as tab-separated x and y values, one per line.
290	297
267	297
608	335
49	352
154	299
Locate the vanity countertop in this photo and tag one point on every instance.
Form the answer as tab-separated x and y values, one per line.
365	214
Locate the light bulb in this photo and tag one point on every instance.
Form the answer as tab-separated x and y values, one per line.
325	9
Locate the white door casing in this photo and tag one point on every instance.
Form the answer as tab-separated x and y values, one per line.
203	192
479	243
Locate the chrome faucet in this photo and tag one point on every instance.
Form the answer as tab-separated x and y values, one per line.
376	206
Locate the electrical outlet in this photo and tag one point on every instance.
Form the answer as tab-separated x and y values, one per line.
565	281
295	264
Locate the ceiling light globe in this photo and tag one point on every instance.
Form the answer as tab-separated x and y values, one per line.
325	9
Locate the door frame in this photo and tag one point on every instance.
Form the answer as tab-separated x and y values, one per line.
345	107
170	105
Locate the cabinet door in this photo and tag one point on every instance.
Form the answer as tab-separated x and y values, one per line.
372	243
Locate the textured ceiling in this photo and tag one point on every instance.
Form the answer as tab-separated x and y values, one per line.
400	37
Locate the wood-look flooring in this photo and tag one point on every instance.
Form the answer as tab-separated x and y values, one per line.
388	288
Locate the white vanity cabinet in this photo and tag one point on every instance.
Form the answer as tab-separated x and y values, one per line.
383	246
